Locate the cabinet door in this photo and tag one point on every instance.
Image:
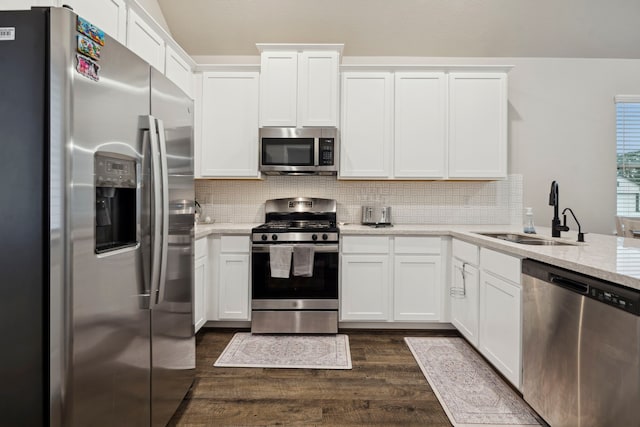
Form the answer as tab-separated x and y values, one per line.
477	125
367	125
500	325
420	125
364	287
233	302
278	88
178	71
144	41
25	5
109	15
229	139
201	277
464	299
318	89
417	287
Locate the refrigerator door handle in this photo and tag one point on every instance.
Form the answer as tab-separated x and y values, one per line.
164	182
156	211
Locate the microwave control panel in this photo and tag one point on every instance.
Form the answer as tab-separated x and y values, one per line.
326	151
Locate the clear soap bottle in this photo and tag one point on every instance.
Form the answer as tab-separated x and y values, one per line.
528	221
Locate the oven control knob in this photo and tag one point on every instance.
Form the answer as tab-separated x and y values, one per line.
314	237
274	237
263	237
325	236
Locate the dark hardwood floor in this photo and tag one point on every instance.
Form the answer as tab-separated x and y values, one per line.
385	387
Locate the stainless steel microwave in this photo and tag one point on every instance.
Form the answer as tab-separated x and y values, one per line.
299	151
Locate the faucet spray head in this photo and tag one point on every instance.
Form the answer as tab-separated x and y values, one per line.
553	194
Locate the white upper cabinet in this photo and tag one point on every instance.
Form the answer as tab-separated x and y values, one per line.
278	88
24	4
423	123
108	15
229	125
178	71
318	88
367	125
144	41
298	87
477	125
420	124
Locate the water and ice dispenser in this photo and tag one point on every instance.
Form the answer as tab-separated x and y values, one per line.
115	211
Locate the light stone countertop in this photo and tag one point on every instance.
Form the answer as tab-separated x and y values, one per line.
610	258
203	230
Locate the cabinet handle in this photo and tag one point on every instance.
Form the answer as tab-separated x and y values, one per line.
460	292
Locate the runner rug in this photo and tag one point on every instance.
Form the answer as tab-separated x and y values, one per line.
468	389
286	351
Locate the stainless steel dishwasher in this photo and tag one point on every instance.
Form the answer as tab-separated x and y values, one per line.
581	348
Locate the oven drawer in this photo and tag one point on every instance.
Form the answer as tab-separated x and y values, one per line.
292	322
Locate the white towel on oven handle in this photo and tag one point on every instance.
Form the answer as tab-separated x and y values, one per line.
303	260
280	260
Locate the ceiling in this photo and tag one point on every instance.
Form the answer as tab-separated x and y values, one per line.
492	28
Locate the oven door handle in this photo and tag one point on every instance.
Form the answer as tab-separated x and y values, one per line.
316	248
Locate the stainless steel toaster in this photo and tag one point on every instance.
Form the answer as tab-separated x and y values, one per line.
372	215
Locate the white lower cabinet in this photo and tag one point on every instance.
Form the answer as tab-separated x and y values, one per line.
417	279
365	287
381	284
486	305
233	278
464	299
416	287
500	313
200	282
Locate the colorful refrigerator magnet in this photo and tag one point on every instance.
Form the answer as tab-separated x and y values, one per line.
88	29
87	67
88	47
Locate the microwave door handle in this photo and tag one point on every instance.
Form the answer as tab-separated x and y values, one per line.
316	151
164	228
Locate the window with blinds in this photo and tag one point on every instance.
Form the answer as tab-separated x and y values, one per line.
628	155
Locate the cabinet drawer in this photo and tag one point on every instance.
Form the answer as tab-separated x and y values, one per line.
201	248
417	245
234	244
365	244
501	265
464	251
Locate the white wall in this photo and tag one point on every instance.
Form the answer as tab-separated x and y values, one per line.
562	117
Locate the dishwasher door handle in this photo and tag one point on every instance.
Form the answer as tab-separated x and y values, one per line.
569	284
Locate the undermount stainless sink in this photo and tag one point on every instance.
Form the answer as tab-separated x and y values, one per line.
525	239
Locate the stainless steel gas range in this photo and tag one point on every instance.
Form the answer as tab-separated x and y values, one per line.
294	260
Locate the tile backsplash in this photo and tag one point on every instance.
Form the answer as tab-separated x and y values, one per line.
412	202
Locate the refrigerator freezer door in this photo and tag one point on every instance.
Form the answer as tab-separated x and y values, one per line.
173	341
110	323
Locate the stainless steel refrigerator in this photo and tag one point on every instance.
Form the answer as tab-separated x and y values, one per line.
96	225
